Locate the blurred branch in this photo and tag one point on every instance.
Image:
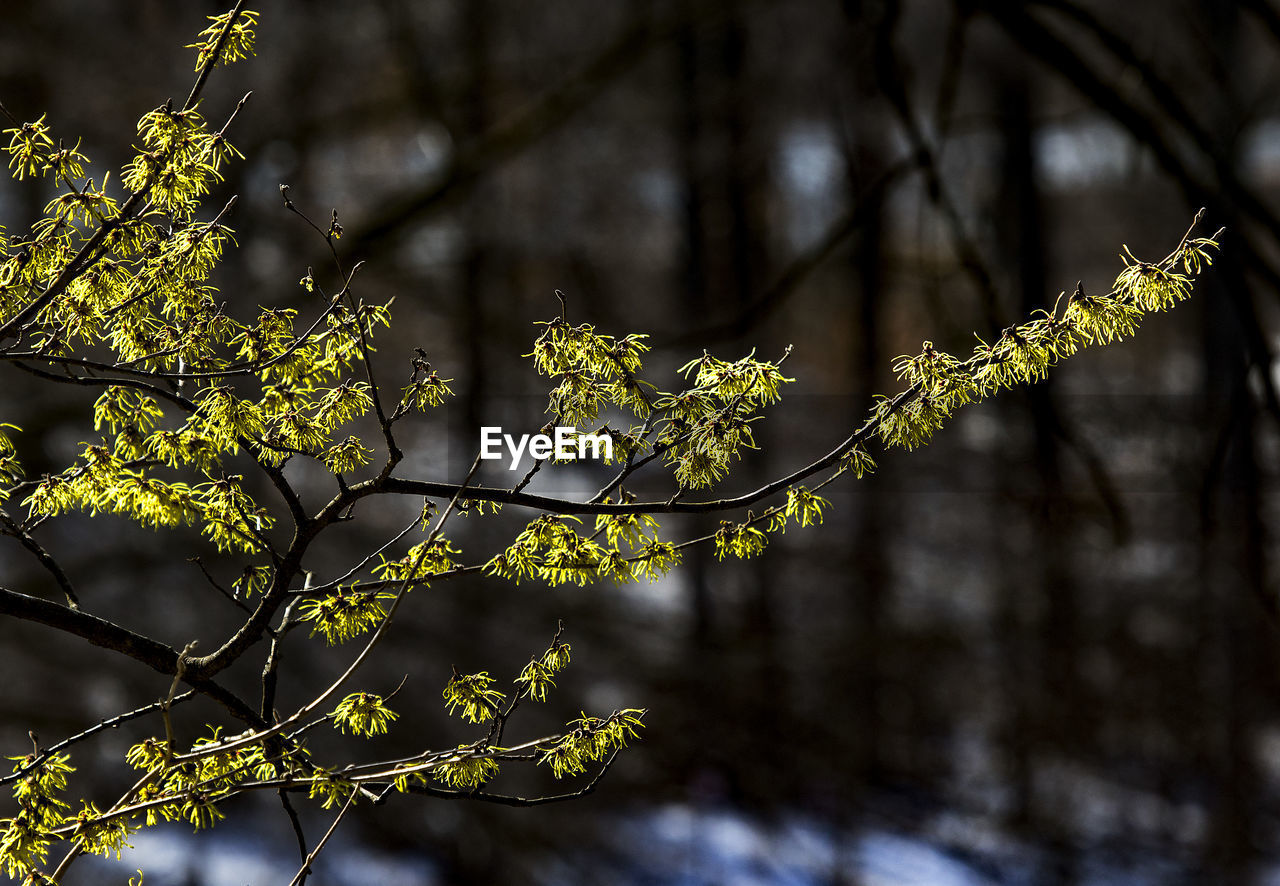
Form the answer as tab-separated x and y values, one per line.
949	78
1096	467
1215	480
1266	14
892	76
100	632
798	271
1123	50
544	115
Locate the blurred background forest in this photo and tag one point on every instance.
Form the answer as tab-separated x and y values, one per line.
1043	650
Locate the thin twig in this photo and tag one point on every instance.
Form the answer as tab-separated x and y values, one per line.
301	876
15	529
111	723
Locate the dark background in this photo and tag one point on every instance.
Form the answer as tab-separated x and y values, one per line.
1043	650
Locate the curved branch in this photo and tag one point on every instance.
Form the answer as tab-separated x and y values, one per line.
432	489
156	655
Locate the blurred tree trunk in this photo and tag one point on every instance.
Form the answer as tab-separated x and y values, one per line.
704	667
1232	584
475	119
745	186
1020	617
874	509
695	288
474	862
1047	596
1233	580
724	188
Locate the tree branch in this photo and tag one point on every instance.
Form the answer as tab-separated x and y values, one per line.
156	655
